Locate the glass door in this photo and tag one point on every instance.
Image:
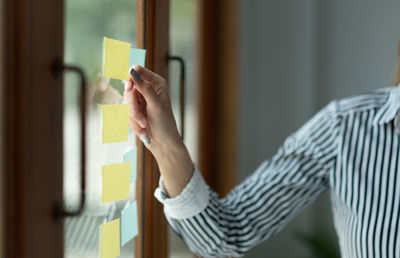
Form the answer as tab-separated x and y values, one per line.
86	23
183	25
40	136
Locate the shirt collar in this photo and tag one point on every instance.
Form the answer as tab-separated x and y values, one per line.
390	109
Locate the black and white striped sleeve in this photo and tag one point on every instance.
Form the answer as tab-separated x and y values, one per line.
264	202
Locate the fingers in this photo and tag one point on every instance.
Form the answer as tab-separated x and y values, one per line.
128	85
137	116
136	127
138	104
140	132
139	109
148	75
146	90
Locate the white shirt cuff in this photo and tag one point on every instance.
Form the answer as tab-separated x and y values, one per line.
191	201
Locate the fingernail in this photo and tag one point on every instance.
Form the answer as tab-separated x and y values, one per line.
142	123
145	139
135	75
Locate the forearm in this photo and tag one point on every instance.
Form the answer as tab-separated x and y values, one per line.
176	166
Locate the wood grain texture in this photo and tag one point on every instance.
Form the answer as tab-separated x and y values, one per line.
217	91
397	78
2	204
33	133
153	239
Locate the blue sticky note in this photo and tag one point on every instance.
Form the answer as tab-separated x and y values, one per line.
129	130
129	223
131	156
137	57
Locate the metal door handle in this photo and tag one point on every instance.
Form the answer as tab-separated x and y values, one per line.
182	90
59	209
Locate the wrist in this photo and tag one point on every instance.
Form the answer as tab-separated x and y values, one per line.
171	155
167	147
175	166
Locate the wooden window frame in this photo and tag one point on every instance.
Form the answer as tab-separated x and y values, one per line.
217	91
33	128
397	77
2	206
153	239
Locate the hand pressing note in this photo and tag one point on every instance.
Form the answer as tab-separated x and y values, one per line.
151	117
152	120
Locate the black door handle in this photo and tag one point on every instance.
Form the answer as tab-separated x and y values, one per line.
59	209
181	91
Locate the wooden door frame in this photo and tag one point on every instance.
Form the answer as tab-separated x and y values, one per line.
217	92
2	107
33	106
153	239
397	77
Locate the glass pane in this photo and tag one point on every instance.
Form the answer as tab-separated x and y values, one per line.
182	36
86	23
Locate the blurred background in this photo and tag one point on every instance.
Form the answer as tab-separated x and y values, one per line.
294	58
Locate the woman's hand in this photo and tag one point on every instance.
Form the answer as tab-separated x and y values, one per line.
152	120
151	113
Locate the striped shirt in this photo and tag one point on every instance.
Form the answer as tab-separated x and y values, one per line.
350	148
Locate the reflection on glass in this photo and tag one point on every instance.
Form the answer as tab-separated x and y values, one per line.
86	23
182	35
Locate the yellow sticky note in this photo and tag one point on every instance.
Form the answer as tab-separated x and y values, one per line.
116	59
116	181
115	123
109	239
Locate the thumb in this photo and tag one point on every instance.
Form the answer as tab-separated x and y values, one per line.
145	89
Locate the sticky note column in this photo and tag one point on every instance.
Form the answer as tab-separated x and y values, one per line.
116	177
118	56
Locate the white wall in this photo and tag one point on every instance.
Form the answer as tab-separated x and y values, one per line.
357	46
296	56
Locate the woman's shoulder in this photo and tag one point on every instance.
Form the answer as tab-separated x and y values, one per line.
363	102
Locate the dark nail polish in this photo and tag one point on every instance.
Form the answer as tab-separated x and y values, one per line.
135	75
147	140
